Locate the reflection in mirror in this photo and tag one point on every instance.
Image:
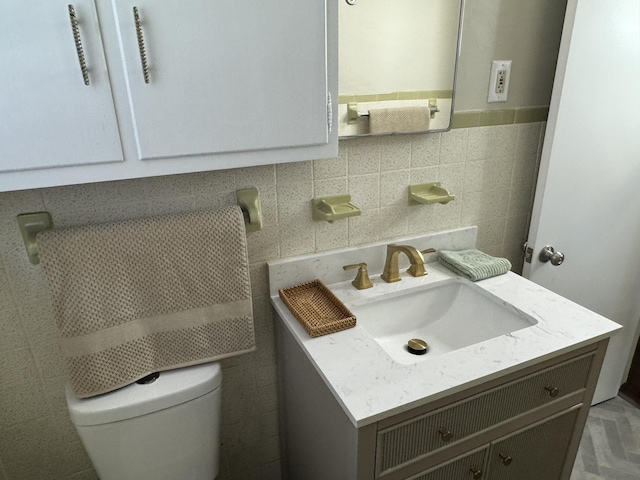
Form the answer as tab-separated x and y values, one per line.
398	62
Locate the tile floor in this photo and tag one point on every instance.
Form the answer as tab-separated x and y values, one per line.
610	446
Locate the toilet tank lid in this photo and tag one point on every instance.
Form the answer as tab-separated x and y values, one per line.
172	387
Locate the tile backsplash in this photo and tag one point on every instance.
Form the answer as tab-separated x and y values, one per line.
491	170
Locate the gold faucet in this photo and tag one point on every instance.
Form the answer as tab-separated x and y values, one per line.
391	271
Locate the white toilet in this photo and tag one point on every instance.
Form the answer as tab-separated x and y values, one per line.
165	430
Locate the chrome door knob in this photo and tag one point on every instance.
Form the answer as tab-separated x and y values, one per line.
548	254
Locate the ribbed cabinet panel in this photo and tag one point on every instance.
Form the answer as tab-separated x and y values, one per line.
458	469
415	438
536	453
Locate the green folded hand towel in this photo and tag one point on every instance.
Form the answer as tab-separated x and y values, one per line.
473	264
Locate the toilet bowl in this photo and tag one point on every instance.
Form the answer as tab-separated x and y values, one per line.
168	429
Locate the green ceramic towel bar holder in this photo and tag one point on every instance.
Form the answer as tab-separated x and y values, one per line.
428	193
249	201
30	224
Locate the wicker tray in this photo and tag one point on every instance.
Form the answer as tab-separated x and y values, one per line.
317	309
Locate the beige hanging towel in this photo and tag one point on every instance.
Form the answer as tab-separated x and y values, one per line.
399	120
139	296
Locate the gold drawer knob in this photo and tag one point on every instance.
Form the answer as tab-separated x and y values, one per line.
506	460
445	434
477	474
553	391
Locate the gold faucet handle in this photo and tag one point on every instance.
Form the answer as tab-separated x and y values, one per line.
420	270
362	280
355	265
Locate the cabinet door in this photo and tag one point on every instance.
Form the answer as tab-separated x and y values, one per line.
466	467
535	453
50	117
224	75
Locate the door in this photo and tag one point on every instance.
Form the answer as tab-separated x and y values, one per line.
53	113
587	201
534	453
213	76
465	467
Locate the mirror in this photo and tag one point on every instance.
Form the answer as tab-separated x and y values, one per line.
398	61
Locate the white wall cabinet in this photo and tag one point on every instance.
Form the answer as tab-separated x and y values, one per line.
50	117
192	85
225	76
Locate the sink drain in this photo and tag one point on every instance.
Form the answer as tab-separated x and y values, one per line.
417	346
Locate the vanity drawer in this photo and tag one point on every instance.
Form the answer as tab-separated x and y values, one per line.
418	437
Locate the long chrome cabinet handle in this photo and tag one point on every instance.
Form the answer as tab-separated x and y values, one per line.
141	47
78	40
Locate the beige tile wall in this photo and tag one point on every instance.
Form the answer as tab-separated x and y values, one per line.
490	169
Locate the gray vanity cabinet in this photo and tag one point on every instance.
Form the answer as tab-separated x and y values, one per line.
483	417
533	453
523	425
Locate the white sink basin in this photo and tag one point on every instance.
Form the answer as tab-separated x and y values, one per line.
448	316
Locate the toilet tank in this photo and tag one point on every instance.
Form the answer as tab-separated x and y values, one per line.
165	430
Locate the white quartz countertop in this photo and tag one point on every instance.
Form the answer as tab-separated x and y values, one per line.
371	386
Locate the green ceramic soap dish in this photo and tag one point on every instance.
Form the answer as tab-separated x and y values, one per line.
428	193
330	209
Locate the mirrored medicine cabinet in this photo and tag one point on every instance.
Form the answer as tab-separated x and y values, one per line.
397	54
